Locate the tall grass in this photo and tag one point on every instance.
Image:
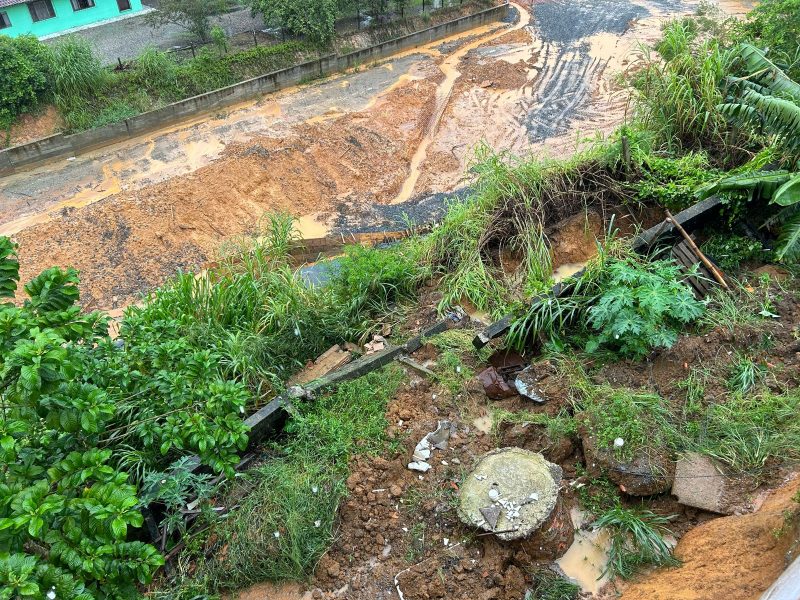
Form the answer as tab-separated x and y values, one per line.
76	72
677	98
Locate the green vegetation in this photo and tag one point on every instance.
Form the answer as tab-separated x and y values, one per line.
548	585
640	419
23	76
286	516
637	540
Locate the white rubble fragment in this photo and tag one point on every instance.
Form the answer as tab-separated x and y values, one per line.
419	465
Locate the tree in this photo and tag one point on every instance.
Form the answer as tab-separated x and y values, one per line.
315	19
23	76
192	15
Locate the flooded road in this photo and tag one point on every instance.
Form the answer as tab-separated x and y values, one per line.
358	151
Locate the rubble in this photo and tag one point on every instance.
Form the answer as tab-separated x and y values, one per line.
700	483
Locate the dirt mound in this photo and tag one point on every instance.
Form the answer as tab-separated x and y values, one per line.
735	558
178	224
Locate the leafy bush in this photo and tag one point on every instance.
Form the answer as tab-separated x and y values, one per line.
64	509
671	182
23	76
641	306
775	24
730	251
314	19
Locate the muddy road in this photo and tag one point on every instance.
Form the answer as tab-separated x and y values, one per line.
354	151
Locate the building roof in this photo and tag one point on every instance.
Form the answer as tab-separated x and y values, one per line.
5	3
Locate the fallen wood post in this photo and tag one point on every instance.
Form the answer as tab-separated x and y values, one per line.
709	265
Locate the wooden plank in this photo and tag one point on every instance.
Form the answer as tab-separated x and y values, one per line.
691	217
332	359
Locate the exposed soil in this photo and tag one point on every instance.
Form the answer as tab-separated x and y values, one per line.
399	529
34	126
735	557
127	226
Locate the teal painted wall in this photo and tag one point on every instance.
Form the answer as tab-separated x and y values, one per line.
65	18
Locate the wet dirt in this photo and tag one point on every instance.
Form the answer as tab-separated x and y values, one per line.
34	126
736	558
337	152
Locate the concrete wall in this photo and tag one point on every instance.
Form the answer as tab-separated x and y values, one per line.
66	17
57	146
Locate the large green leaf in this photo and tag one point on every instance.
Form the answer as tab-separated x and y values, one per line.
789	193
764	72
9	268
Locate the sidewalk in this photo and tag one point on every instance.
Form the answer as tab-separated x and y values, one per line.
127	38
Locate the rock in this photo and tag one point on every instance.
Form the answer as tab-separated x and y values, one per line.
486	83
494	385
644	475
396	491
701	484
334	570
420	466
528	491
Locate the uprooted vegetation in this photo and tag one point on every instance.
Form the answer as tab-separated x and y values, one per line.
635	372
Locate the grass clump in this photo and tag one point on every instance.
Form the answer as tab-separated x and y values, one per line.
559	426
747	432
637	540
639	418
548	585
295	492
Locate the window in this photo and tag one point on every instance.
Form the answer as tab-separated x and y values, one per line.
4	22
81	4
41	10
124	5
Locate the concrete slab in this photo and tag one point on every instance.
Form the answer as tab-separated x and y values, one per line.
701	484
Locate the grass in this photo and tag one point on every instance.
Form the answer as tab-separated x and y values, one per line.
745	374
286	506
746	432
548	585
559	426
637	540
641	419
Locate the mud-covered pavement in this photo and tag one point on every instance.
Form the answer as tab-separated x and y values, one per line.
355	151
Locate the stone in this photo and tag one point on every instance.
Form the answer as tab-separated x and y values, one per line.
700	483
334	570
396	491
645	474
519	476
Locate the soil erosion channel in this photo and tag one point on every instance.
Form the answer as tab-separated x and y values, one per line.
354	151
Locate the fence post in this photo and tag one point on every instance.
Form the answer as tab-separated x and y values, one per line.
255	39
192	47
358	16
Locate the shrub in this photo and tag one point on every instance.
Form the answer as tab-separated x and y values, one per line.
775	24
23	76
640	307
671	182
157	72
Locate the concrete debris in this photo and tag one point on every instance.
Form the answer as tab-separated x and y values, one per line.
494	385
435	439
419	465
525	384
491	514
377	344
521	486
699	482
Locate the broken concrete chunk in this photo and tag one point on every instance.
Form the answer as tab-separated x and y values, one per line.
525	383
491	514
435	439
419	465
645	474
517	476
438	439
700	483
